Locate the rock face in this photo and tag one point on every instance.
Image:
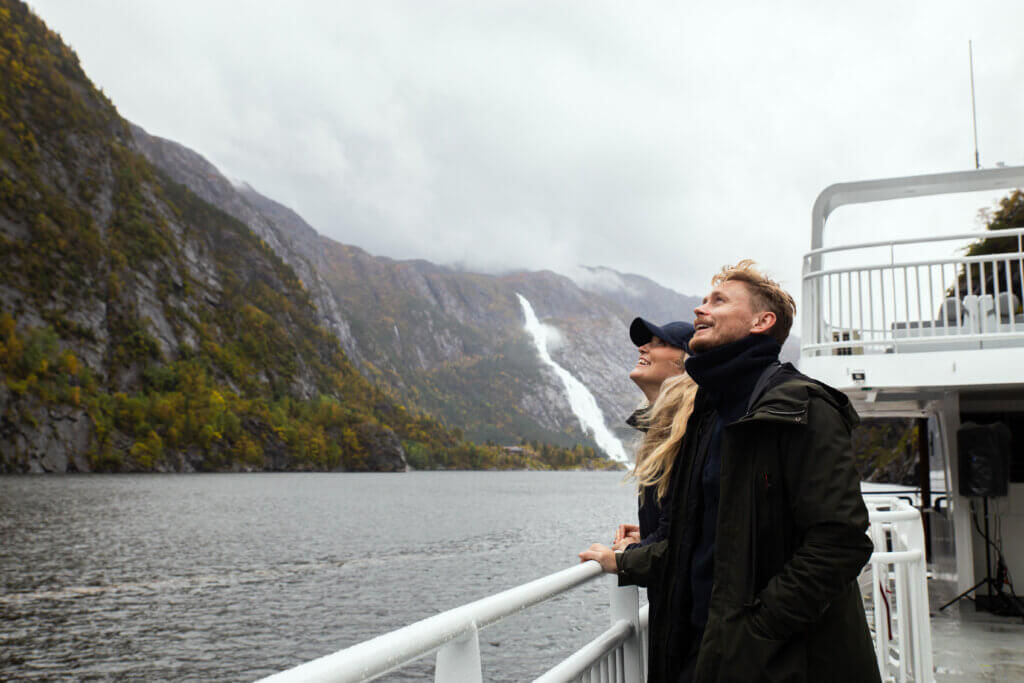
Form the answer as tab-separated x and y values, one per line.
45	439
385	449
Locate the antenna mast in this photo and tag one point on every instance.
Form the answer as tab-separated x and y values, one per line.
974	111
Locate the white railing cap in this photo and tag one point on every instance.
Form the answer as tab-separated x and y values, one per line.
865	191
389	651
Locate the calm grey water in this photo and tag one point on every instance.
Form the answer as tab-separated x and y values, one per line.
236	576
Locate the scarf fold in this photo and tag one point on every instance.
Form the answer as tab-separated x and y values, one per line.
728	372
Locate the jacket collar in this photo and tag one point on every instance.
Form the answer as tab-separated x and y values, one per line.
787	397
638	418
729	372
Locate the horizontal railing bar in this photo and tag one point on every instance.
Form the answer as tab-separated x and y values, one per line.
910	341
897	494
583	659
882	516
389	651
914	240
896	556
563	672
950	261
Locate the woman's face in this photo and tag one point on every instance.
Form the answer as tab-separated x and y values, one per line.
657	362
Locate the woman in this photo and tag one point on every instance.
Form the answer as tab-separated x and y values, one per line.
669	392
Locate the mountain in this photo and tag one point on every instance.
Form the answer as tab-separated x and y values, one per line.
423	338
144	328
448	341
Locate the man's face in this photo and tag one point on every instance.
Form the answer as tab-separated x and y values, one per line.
657	362
727	315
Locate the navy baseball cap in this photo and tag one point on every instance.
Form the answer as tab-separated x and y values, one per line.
675	334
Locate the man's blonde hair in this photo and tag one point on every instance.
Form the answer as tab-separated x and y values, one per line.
766	295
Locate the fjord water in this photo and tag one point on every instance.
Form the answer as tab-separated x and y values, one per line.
236	576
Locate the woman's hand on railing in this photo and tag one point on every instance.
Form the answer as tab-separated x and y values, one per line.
625	543
630	531
604	556
626	535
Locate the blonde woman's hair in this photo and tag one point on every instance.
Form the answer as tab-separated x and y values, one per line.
666	424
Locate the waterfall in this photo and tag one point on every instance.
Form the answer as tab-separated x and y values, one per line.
581	401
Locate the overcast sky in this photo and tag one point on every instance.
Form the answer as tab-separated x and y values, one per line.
654	137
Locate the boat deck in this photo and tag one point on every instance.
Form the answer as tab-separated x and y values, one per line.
969	645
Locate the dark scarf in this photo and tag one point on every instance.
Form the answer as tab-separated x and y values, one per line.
729	372
727	375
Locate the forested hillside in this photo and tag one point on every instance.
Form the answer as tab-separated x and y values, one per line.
145	329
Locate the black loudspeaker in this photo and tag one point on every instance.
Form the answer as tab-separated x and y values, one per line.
984	459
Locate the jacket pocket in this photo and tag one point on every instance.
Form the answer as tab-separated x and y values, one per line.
751	652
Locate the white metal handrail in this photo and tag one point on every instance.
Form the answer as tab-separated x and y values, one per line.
915	305
821	328
608	657
582	661
618	655
972	235
454	634
897	569
958	260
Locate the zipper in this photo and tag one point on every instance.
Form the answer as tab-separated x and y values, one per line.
786	413
751	587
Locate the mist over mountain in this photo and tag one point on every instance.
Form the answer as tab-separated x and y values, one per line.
637	293
447	340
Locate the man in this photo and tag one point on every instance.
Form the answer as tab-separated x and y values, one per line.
757	578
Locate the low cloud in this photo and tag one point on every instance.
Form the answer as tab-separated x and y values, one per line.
596	279
664	139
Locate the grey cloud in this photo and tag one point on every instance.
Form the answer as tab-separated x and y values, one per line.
656	138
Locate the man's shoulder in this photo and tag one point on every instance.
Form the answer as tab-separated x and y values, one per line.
789	384
788	380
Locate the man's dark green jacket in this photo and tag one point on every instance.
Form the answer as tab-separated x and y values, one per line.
790	543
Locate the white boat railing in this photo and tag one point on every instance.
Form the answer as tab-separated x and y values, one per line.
895	587
892	305
617	655
609	657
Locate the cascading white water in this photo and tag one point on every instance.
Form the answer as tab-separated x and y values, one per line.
581	401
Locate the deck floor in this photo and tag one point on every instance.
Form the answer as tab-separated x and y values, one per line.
969	645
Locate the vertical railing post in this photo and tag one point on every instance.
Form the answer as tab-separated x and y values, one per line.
459	660
625	604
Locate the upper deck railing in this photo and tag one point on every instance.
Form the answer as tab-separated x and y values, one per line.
891	305
857	302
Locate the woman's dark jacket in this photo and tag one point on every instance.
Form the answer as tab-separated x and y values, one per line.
790	541
650	513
